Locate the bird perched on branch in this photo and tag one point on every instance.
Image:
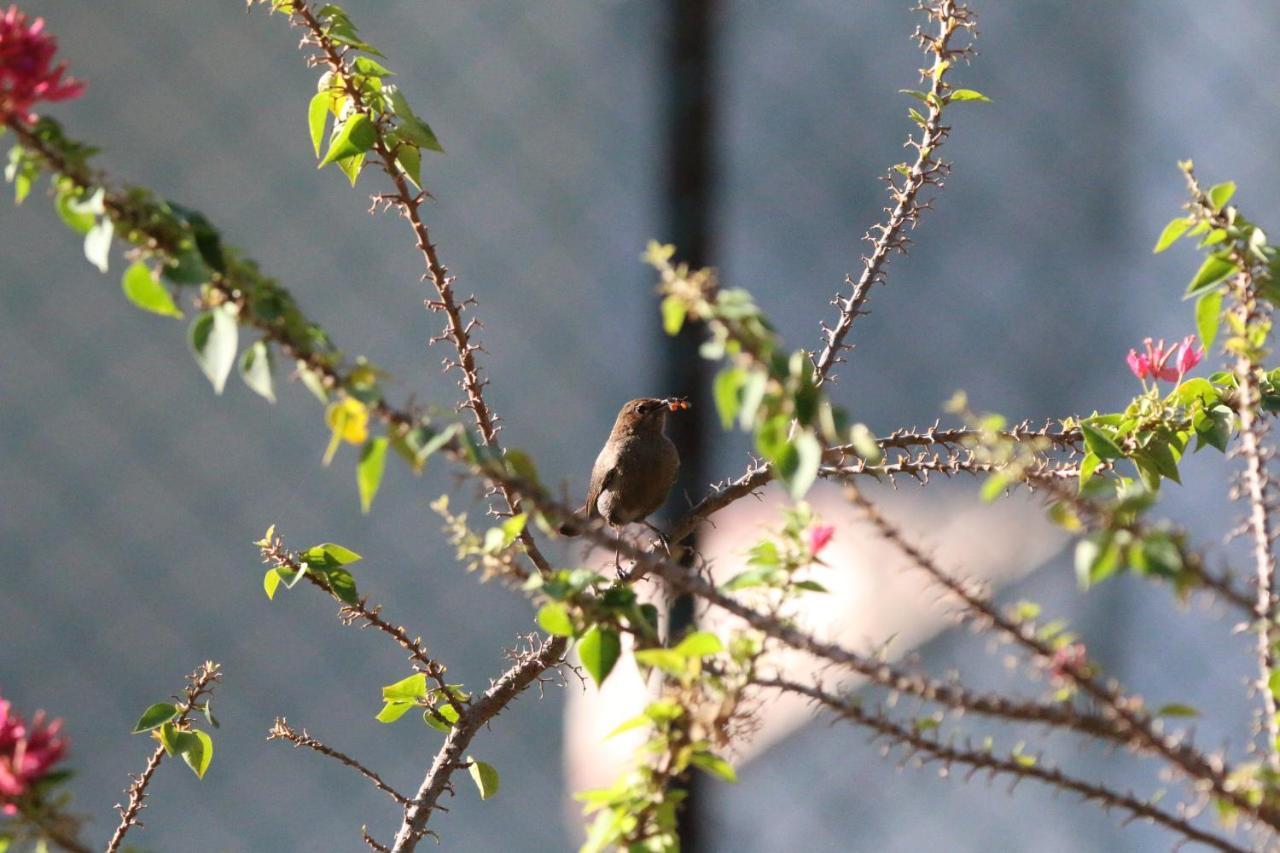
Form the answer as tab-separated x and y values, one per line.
636	468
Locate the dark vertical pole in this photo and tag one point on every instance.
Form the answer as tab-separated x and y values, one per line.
688	191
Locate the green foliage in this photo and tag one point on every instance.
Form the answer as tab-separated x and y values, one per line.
155	716
213	339
599	649
143	290
373	461
485	777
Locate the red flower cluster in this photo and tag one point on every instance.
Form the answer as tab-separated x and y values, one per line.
26	753
27	73
1155	361
819	536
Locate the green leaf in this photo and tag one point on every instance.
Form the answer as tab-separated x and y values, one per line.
442	718
1177	710
800	470
197	750
142	289
156	715
1209	317
356	136
80	214
1220	194
1096	558
485	777
393	711
1171	233
97	244
699	644
213	339
343	585
255	370
758	576
1099	443
714	765
725	390
330	552
187	268
599	650
411	127
673	313
270	582
169	739
372	68
554	618
373	461
1088	465
351	167
636	722
408	689
967	95
667	660
409	156
1215	268
317	117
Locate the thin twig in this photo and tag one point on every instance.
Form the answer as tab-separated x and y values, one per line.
282	731
199	683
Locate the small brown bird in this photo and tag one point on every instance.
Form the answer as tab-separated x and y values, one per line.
636	468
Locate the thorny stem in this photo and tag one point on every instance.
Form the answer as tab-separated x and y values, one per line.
410	203
1126	711
274	553
890	236
281	730
450	757
1250	312
199	683
927	749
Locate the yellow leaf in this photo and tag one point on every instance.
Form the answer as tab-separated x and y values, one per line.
348	420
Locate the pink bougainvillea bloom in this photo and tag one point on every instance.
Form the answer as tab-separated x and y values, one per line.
1071	659
1138	364
27	753
1189	356
27	72
819	536
1154	362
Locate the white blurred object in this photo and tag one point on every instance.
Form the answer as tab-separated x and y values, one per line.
876	598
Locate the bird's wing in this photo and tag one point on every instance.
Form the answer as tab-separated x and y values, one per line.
602	477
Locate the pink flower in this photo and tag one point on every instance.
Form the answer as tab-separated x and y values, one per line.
819	536
26	754
26	71
1071	659
1154	362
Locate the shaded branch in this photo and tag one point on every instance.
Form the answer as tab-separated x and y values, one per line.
928	749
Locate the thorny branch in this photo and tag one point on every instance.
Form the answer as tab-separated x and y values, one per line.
199	683
410	203
954	21
1125	710
281	730
927	749
1250	313
528	667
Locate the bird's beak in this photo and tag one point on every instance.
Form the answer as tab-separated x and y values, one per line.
675	404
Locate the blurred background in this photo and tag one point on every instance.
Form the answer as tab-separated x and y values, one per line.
129	494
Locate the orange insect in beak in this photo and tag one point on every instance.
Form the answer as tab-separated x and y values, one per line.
675	404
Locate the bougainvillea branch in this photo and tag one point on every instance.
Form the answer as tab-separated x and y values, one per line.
528	668
200	685
954	24
281	730
927	749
